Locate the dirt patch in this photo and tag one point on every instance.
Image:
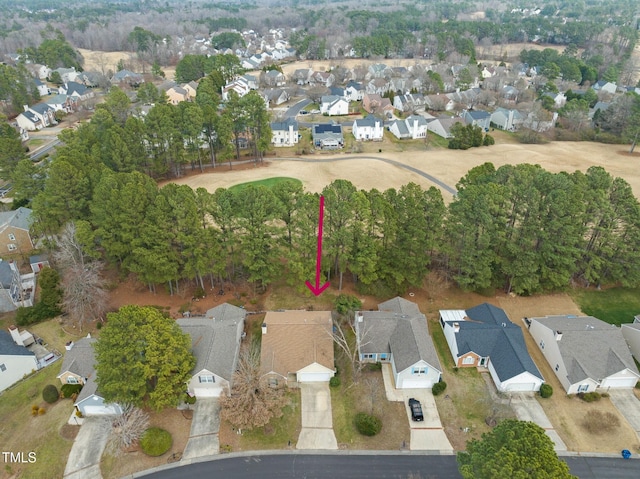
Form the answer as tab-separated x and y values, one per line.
135	460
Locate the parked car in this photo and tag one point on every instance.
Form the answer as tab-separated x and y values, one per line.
416	410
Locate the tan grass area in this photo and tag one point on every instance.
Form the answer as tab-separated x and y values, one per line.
95	60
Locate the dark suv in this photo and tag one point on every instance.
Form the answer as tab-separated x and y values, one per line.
416	410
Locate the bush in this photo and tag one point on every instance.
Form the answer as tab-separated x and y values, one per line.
377	366
346	303
334	382
598	422
41	411
368	425
589	397
438	388
155	441
546	390
190	399
69	390
50	393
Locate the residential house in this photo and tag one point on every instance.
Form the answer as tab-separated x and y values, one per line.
16	289
409	102
239	86
274	78
504	119
631	334
302	76
177	94
334	105
378	70
192	89
66	74
16	361
275	96
36	117
39	71
412	127
338	91
559	99
375	104
354	91
488	71
38	262
297	347
43	90
369	128
439	102
76	90
61	102
327	136
599	106
398	334
441	126
215	340
483	336
29	121
478	118
509	93
605	87
325	79
586	353
378	86
127	77
14	231
285	133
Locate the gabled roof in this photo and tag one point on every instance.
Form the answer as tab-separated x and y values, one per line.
284	125
215	339
400	305
296	339
31	116
403	131
8	347
479	114
368	121
20	218
75	87
81	359
59	99
590	348
422	121
41	108
355	85
410	343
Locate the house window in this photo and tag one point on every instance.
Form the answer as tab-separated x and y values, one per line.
12	237
541	344
3	368
557	367
72	380
12	247
418	371
384	357
583	388
368	356
206	379
468	360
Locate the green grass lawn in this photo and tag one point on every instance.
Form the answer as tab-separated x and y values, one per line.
614	305
268	182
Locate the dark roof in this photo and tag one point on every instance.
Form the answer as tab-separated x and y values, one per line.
9	348
284	125
75	87
20	218
32	117
369	121
479	114
327	128
41	108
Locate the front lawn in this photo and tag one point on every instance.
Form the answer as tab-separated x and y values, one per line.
613	305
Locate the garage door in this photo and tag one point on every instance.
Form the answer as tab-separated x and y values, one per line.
313	377
100	410
521	387
413	384
207	392
619	383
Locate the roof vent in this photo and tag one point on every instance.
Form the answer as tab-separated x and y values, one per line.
456	327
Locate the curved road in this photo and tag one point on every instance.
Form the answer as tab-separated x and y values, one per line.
348	465
433	179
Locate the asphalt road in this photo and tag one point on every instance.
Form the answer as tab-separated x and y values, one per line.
295	109
370	466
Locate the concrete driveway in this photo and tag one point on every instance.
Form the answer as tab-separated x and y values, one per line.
84	458
205	425
317	422
527	408
629	406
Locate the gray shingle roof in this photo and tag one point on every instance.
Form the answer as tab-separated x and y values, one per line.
402	128
590	347
284	125
369	121
400	305
216	339
10	348
41	108
19	218
410	343
81	359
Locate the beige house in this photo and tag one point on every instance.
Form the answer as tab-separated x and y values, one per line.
297	346
14	231
177	94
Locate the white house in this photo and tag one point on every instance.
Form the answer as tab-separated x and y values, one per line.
369	128
506	119
16	361
605	86
43	90
631	334
354	91
483	336
398	334
36	117
334	105
216	341
285	133
585	353
442	126
413	127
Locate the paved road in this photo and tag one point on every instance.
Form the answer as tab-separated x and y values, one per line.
295	109
433	179
369	466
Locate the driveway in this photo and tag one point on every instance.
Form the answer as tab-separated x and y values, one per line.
203	438
84	458
317	423
629	406
527	408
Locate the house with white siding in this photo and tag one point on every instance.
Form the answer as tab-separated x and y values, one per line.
285	133
369	128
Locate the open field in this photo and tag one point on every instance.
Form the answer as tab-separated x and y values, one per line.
613	305
447	166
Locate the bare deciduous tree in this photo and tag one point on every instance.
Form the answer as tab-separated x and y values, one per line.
346	337
252	402
125	430
69	249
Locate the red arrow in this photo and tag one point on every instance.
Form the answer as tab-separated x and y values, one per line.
317	289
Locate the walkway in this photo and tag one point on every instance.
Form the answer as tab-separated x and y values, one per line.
317	423
84	458
205	425
429	434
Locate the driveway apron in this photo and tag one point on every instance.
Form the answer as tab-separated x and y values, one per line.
317	423
84	458
527	408
205	425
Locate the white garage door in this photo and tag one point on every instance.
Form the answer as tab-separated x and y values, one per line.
415	384
619	383
100	410
207	392
521	387
313	377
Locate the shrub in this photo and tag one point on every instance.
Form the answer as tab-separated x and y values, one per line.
99	325
155	441
438	388
346	303
334	382
600	422
50	393
377	366
546	390
34	410
589	397
190	399
41	411
69	390
368	425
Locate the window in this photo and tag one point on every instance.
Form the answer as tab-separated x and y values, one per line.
468	360
72	380
3	368
419	371
12	237
12	247
583	388
383	357
368	356
206	379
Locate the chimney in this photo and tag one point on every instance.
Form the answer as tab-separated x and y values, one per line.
69	345
15	335
558	335
359	317
264	328
456	327
26	107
